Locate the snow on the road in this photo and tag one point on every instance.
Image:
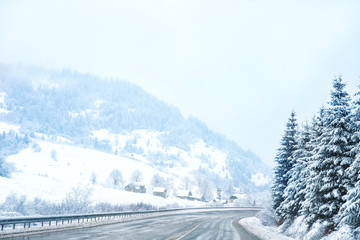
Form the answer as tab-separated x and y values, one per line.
254	226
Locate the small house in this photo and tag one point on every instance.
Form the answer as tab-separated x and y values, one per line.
232	199
184	194
199	198
160	192
240	197
130	188
140	189
135	188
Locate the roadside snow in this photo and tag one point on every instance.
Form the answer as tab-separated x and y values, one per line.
254	226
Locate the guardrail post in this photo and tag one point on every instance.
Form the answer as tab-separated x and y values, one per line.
24	225
42	224
14	226
2	227
50	223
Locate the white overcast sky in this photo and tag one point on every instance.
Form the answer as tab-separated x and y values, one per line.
241	66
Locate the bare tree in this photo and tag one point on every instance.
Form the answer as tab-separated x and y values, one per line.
78	200
93	178
187	182
116	178
158	181
136	176
205	187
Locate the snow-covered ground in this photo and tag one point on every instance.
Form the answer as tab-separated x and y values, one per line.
254	226
51	167
200	155
52	170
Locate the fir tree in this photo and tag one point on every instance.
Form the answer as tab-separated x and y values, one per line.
294	193
328	179
311	202
354	144
285	162
349	212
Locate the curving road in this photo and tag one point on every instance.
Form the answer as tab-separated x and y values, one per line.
206	225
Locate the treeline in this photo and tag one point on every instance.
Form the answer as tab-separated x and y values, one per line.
10	143
317	176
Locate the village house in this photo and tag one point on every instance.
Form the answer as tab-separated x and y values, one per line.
160	192
184	194
235	197
232	199
137	188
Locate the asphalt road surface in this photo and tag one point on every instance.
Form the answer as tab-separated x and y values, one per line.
219	224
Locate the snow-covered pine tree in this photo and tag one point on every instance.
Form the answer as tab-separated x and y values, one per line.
349	212
285	162
331	160
311	203
294	193
354	144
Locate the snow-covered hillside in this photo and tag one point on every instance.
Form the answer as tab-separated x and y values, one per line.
60	129
50	163
51	170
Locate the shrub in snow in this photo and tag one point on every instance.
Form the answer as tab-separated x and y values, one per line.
93	178
9	214
317	231
36	147
78	200
141	207
344	233
53	154
5	168
298	228
14	203
267	216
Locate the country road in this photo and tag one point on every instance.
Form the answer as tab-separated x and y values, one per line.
206	225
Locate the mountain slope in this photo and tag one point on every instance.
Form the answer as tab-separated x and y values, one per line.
120	118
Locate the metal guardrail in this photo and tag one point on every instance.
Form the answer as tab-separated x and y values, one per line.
82	218
49	220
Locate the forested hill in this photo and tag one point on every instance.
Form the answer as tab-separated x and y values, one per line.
77	106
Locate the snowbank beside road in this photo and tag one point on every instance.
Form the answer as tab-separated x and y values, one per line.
254	226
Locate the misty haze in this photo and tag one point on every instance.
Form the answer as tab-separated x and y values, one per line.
179	119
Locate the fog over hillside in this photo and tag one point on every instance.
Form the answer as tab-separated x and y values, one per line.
119	118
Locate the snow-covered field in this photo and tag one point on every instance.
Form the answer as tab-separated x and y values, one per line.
51	170
51	167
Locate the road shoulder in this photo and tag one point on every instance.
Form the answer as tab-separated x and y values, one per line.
253	225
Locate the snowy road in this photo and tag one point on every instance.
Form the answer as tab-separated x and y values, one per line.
220	224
